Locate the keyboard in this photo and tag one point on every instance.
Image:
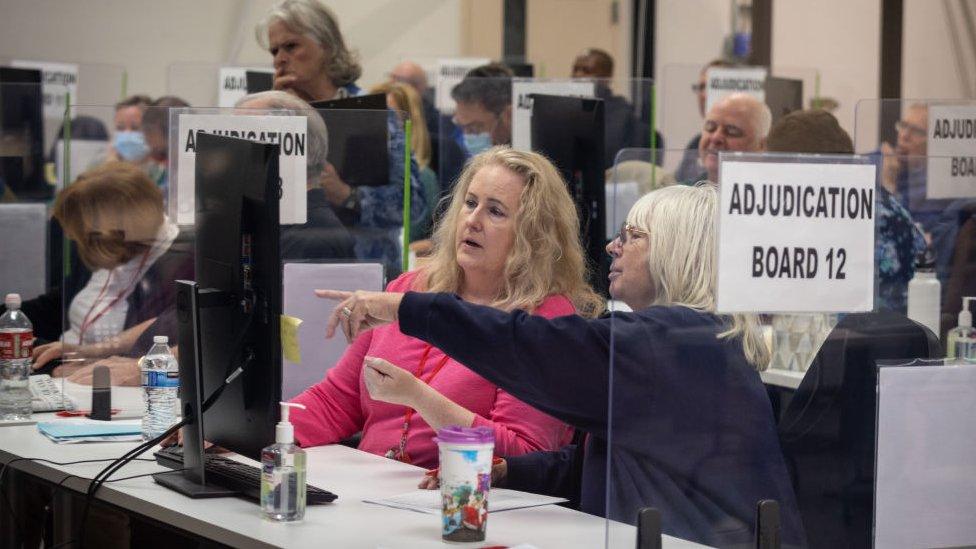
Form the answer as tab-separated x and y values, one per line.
46	395
234	475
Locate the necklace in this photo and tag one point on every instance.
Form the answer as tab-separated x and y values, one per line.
399	452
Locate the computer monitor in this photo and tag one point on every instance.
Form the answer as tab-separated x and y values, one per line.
230	316
22	133
358	136
570	132
783	96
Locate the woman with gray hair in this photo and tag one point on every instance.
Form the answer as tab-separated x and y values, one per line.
311	59
312	62
691	430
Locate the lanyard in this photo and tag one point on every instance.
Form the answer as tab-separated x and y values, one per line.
85	323
399	453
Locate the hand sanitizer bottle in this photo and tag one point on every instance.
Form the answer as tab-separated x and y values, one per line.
962	339
283	473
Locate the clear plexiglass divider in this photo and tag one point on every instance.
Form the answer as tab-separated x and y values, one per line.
215	84
682	92
132	224
786	275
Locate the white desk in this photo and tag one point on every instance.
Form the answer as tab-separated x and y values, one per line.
348	522
128	400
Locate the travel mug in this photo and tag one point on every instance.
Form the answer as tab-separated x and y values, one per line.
465	475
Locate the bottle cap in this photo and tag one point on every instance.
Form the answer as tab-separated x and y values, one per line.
12	301
161	339
925	260
285	431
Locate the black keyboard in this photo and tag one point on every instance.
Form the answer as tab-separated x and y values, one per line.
234	475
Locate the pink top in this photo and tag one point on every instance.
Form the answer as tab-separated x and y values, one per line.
340	406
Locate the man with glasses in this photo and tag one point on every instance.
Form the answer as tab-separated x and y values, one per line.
484	107
903	167
689	167
739	122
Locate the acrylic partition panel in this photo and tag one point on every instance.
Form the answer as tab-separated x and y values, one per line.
790	262
338	215
925	482
682	102
216	85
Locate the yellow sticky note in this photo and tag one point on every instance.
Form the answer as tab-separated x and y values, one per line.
289	338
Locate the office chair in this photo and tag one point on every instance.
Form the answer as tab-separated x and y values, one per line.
828	429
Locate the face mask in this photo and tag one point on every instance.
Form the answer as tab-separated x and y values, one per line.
131	145
477	142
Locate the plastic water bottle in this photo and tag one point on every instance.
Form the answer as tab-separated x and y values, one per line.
160	384
16	343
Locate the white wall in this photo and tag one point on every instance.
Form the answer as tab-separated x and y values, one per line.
688	34
840	38
931	63
147	37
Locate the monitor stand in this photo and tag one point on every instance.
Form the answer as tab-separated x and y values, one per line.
191	481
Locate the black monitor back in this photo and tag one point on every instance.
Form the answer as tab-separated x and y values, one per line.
237	237
358	137
570	132
783	96
22	133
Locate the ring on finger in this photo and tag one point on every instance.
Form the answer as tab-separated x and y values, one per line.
346	312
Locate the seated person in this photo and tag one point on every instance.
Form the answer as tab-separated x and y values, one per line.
404	99
114	215
693	432
739	122
322	236
898	241
509	240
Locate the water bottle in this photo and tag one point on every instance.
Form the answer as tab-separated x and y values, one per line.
16	343
160	384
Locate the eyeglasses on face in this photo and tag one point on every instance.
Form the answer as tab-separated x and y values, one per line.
914	130
628	231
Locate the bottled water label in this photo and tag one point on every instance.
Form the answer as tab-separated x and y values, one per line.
16	344
160	379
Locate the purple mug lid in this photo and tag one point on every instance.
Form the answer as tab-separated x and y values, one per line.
455	434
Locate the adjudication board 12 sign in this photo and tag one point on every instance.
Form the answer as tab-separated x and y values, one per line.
796	237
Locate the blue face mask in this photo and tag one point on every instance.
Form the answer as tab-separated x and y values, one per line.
131	145
477	142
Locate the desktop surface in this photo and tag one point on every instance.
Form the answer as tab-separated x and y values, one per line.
348	522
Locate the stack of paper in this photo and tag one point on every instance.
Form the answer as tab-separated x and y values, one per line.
499	499
71	432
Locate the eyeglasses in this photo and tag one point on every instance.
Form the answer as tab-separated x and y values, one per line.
903	126
698	87
628	230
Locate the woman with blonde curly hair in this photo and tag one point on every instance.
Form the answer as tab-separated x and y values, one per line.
690	431
509	240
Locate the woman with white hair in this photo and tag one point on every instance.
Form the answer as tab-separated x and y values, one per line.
691	430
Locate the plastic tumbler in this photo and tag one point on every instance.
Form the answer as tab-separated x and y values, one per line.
465	475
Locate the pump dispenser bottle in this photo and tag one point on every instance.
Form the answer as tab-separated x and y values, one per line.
283	473
962	338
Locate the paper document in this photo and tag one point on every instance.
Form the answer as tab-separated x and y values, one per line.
70	432
499	499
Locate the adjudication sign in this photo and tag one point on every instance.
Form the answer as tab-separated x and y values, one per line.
795	237
952	151
288	131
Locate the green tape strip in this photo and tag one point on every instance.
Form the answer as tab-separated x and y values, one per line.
408	129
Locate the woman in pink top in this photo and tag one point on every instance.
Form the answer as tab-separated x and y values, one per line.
509	239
